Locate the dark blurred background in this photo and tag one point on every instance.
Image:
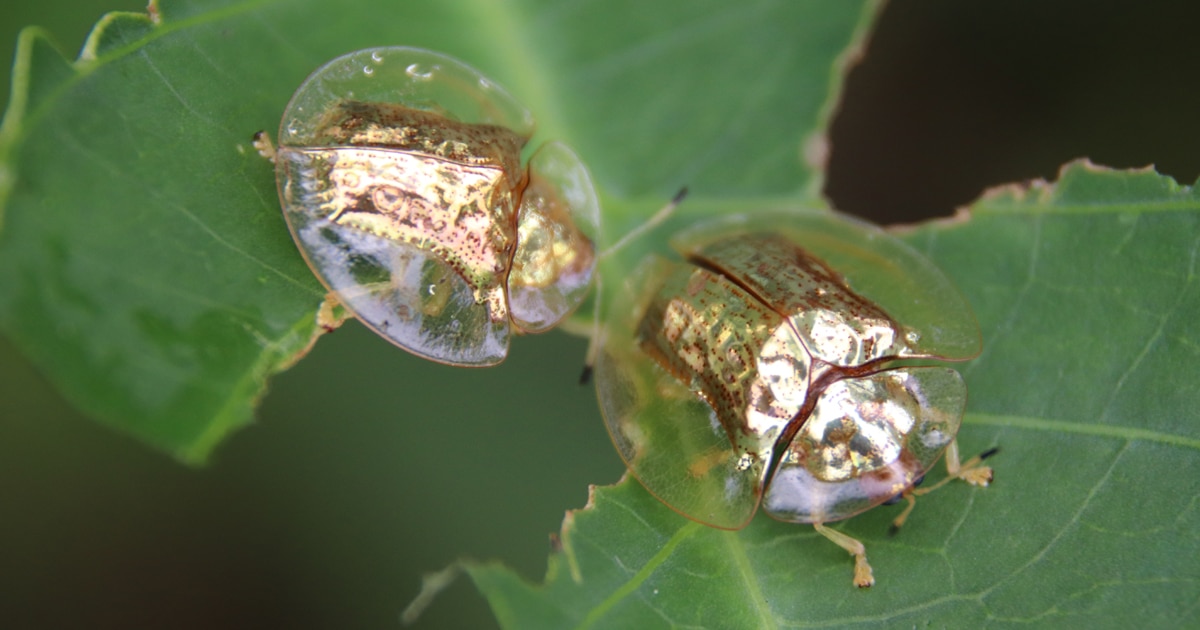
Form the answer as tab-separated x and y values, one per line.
955	97
354	482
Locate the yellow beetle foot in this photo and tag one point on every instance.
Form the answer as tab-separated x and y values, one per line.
863	576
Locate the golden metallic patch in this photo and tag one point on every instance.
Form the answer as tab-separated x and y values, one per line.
764	370
401	180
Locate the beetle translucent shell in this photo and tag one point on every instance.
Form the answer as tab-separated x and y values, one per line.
771	367
401	180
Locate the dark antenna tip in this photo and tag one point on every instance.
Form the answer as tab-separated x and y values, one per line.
988	453
585	377
683	192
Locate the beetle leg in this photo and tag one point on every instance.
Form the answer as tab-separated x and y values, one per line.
972	471
266	148
862	569
328	315
898	522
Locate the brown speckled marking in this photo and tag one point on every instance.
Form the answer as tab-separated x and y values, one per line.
400	128
838	325
710	333
799	371
414	176
751	326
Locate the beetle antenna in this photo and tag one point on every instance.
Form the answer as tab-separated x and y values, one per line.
647	225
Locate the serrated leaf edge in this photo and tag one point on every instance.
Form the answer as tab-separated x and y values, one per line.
17	113
238	410
1040	193
814	149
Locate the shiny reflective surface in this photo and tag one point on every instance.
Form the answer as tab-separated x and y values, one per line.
759	372
400	176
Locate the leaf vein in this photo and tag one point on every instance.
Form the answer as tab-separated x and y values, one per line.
96	158
1141	355
515	45
631	585
1067	526
234	248
1016	307
179	97
1081	428
745	569
890	614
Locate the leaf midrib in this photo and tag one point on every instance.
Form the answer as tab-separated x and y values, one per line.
1081	428
513	45
630	586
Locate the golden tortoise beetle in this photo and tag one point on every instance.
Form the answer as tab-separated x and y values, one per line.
774	367
399	172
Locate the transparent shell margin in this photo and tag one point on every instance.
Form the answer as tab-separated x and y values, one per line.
668	437
414	77
558	227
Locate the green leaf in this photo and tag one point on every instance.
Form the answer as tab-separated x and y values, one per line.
145	268
1087	294
144	263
